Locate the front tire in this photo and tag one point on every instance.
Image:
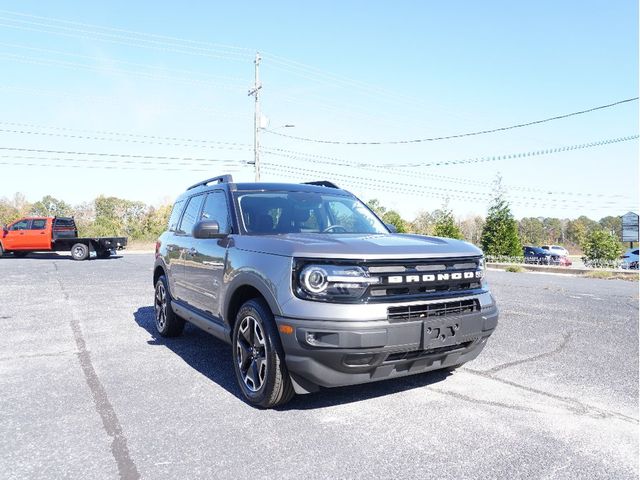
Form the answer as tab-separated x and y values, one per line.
168	324
258	357
79	251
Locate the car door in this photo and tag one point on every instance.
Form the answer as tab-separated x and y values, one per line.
37	236
206	258
183	244
14	237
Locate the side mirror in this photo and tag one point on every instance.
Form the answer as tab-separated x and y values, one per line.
207	229
5	229
392	228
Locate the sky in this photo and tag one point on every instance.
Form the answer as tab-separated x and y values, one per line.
142	99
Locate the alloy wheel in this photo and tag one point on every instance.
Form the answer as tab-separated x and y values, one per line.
161	306
251	353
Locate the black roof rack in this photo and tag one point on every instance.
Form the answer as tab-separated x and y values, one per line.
220	179
323	183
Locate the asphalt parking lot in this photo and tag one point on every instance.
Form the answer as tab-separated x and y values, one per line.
89	391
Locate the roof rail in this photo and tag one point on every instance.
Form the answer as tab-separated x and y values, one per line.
323	183
220	179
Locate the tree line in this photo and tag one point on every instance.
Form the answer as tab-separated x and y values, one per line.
102	217
499	233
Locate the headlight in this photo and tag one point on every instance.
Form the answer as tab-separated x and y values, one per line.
482	265
332	282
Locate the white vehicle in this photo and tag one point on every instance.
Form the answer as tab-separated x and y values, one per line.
557	249
630	258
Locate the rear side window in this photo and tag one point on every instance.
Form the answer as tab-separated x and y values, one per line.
175	215
216	208
191	214
64	223
39	224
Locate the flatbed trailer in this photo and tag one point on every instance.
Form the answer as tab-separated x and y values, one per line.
55	234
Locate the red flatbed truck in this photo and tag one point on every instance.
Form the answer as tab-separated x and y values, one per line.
46	234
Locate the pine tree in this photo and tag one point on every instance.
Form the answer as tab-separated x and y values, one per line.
500	232
445	225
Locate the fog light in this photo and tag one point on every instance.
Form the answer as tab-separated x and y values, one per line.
358	360
311	339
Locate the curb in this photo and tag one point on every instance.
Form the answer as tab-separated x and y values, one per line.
563	270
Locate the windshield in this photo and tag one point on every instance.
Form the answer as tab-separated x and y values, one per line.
305	212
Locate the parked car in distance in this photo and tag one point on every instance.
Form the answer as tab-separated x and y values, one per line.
556	249
540	256
46	234
630	259
564	261
313	290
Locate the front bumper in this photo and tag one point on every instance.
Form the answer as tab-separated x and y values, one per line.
329	353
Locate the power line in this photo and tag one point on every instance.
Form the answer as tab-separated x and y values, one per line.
414	190
131	32
492	158
116	155
120	162
220	145
120	71
466	194
121	134
136	40
110	100
134	64
459	135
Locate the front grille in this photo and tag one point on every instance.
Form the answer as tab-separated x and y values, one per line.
426	310
429	278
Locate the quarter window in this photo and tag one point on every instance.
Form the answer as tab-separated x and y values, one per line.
175	215
191	214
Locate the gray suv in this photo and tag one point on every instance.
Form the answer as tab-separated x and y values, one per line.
312	290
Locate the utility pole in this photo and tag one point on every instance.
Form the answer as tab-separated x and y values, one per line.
256	118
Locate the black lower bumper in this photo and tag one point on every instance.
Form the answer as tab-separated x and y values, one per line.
334	353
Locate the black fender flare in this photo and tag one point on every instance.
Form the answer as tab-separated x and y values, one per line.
253	280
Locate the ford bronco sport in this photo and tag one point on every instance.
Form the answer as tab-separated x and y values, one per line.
312	290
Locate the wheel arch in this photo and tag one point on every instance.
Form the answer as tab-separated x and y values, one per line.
243	289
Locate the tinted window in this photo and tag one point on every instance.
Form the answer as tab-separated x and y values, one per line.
215	208
39	224
191	214
175	215
308	212
65	222
21	225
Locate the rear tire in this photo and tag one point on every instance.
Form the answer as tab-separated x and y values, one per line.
1	250
258	357
79	251
168	324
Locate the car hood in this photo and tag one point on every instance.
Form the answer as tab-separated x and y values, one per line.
356	246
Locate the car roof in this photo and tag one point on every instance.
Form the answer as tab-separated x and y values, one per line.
265	187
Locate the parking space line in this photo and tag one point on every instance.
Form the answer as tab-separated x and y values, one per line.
126	467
